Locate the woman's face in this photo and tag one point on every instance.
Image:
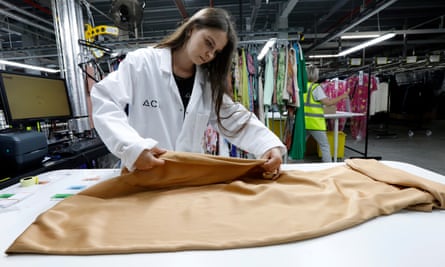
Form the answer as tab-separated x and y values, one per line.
204	44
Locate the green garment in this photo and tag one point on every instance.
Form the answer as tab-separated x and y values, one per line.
298	147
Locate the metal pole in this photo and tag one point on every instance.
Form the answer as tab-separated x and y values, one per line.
69	29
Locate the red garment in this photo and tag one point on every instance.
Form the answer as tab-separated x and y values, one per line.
358	93
332	89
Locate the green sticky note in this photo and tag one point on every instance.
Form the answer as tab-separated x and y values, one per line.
6	195
60	196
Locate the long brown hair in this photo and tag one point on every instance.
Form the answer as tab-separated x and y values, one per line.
217	69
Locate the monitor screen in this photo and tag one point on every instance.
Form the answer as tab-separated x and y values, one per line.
29	98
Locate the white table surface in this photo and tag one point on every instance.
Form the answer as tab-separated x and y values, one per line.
407	238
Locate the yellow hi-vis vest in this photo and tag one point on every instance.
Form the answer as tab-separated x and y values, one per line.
313	110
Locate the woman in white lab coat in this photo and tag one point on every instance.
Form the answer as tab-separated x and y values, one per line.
162	98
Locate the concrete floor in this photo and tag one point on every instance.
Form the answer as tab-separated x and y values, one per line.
418	147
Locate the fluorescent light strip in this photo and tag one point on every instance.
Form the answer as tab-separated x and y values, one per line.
356	36
266	48
358	47
366	44
322	56
26	66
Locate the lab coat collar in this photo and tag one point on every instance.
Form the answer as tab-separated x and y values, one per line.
166	65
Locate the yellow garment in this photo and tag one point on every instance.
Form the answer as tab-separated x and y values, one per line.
245	99
198	201
313	110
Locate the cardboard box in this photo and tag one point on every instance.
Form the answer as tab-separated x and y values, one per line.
330	109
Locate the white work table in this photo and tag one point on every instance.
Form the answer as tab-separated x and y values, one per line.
407	238
336	116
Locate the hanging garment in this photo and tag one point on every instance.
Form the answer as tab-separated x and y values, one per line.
299	137
281	76
198	201
292	85
275	74
261	116
236	76
358	92
292	98
211	141
251	71
245	98
269	80
379	99
334	88
289	127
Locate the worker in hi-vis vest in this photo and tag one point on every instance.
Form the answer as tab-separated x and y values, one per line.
314	100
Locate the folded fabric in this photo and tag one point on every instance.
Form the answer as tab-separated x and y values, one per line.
198	201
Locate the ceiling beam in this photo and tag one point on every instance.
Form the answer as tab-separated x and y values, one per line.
398	32
25	21
26	13
180	5
254	14
366	15
289	6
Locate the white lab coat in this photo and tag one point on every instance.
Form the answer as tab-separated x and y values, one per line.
145	82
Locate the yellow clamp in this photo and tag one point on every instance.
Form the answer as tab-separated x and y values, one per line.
91	33
28	181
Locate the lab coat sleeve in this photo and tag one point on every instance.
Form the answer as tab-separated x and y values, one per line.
109	98
255	138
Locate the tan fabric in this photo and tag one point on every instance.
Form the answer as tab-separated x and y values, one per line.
204	202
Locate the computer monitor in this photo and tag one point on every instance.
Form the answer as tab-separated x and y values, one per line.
29	98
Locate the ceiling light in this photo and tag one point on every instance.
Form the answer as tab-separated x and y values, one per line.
367	43
322	56
26	66
358	47
434	58
411	59
382	60
356	61
359	36
266	48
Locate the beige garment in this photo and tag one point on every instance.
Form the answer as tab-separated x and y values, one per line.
198	201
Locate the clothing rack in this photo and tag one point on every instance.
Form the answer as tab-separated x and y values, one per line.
365	152
383	132
274	116
263	41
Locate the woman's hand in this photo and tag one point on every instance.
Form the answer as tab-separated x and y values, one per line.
149	159
345	95
273	163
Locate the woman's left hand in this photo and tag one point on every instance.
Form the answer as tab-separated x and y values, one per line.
273	163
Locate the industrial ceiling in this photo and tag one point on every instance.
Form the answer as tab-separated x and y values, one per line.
27	31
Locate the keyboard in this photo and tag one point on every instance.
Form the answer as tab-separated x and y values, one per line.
79	146
85	144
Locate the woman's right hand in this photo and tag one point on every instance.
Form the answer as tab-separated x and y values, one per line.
149	159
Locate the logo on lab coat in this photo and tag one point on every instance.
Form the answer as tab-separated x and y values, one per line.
151	103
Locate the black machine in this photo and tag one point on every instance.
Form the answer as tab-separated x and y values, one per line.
27	100
21	149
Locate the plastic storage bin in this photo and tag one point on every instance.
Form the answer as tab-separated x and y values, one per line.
340	147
